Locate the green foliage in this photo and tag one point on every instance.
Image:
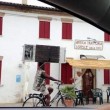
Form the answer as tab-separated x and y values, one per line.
69	92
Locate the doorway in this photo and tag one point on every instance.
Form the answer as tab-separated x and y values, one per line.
88	81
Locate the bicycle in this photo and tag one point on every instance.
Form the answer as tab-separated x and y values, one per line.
38	100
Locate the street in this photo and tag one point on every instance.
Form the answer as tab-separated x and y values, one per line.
15	108
18	106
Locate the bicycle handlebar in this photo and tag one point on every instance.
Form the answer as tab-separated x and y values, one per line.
58	84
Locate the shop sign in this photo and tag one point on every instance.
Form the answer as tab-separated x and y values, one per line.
18	78
88	45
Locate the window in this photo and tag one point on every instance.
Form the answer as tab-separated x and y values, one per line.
106	76
66	30
1	22
66	73
44	29
46	67
106	37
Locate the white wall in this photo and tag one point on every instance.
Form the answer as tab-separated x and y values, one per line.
23	28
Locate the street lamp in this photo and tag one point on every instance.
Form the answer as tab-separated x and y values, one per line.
94	40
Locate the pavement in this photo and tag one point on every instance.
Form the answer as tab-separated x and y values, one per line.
79	107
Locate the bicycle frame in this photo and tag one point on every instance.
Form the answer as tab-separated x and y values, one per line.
57	96
41	98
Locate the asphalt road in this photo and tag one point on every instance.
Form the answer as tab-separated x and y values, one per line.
18	106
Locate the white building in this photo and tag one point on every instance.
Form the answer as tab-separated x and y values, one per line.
22	24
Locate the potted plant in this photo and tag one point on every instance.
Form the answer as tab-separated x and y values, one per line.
69	93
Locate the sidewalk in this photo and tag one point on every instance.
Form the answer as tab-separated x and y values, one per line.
11	105
93	106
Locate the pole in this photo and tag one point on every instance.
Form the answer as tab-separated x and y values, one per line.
74	79
26	80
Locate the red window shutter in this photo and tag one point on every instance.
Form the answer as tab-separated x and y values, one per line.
44	29
109	37
64	30
69	31
47	70
106	37
47	29
0	70
106	76
66	73
1	21
63	73
69	74
41	29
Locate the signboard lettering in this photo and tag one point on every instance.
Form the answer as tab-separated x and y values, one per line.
88	45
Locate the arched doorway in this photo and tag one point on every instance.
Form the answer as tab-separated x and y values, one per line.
88	82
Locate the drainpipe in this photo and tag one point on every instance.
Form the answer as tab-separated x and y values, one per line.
26	80
74	77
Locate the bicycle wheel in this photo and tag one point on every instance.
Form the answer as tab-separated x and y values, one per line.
33	102
61	102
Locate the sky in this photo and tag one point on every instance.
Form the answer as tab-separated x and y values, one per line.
30	2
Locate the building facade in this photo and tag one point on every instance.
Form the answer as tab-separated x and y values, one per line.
22	24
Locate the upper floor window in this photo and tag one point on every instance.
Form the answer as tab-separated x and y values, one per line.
44	27
1	25
106	37
66	30
106	76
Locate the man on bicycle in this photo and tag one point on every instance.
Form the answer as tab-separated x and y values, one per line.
40	84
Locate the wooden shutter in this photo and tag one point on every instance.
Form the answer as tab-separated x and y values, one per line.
44	29
106	76
66	73
66	30
69	31
41	29
106	37
47	69
47	29
69	74
0	70
63	73
1	21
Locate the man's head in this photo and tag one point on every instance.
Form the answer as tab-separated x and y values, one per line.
41	65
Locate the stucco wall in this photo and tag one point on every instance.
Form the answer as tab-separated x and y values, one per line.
23	28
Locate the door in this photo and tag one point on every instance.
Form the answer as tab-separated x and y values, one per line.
88	82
